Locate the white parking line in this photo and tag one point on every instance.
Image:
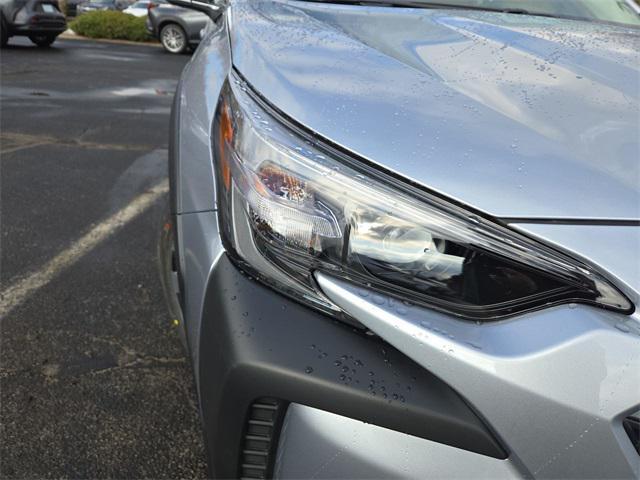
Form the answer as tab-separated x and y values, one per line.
22	147
17	293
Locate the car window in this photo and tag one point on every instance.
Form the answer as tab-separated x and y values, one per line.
48	8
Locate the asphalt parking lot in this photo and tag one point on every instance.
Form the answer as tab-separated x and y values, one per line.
94	382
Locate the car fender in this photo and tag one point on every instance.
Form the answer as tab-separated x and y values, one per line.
194	110
191	172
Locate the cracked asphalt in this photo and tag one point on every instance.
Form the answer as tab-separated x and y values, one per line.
94	382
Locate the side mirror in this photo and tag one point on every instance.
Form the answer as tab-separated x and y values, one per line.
212	8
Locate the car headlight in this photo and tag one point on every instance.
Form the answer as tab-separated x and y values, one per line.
290	205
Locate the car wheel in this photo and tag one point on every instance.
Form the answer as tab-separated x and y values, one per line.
4	33
173	38
42	41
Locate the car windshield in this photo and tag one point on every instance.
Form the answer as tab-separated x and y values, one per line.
625	12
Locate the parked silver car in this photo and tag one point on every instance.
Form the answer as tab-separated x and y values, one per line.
405	241
178	29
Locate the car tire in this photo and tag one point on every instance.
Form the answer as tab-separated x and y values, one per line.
42	41
173	38
4	33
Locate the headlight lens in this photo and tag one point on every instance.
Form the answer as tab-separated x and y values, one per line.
290	206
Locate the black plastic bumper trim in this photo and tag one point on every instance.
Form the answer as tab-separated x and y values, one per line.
256	343
632	427
261	435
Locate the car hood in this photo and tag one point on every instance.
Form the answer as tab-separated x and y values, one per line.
517	116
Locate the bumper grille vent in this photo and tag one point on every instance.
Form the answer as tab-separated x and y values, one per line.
260	440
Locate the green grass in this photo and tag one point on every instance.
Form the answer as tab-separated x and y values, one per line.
111	25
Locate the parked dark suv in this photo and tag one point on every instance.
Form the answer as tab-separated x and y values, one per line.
40	20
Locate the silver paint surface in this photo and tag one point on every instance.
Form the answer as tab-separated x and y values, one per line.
198	93
518	116
319	444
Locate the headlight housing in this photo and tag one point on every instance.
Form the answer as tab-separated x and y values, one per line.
291	205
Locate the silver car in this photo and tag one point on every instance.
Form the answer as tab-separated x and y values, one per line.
177	28
405	238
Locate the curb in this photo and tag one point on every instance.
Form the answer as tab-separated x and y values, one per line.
71	35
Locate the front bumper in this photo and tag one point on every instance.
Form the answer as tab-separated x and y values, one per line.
256	344
555	386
